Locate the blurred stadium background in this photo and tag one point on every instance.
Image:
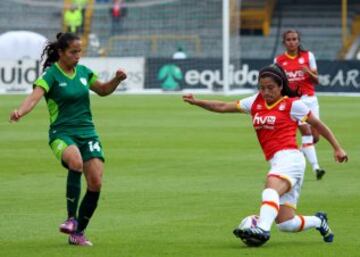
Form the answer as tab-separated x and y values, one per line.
177	179
235	41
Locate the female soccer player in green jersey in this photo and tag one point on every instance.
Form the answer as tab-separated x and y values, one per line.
72	135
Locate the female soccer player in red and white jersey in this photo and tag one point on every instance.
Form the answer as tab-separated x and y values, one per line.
275	116
301	70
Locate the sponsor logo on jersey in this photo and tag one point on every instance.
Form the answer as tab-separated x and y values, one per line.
62	84
83	81
266	122
295	75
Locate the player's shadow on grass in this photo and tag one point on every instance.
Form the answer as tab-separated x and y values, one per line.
272	244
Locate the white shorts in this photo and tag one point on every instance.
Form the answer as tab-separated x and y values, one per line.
312	103
289	165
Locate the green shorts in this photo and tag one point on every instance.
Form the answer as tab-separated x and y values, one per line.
89	145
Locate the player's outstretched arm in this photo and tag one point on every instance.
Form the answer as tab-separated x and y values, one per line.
339	153
107	88
27	105
211	105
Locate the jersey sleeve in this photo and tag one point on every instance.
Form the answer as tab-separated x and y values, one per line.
45	81
244	105
92	76
312	61
299	111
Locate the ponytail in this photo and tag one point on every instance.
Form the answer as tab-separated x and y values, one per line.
50	52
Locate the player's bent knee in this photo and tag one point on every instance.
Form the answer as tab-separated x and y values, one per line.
306	133
75	165
95	185
305	130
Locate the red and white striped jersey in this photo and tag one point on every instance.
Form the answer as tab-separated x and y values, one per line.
293	65
275	125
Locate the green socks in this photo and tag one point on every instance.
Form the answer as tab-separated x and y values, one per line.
73	189
88	204
87	209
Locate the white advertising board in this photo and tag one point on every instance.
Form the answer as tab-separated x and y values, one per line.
106	68
18	76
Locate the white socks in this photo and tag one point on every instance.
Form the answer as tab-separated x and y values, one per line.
269	208
308	149
299	223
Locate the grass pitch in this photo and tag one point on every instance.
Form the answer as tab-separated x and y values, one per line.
177	181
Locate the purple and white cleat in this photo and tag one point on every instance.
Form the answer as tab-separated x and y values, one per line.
79	239
69	226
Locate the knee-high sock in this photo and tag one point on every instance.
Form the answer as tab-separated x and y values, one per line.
73	189
308	148
269	208
87	209
299	223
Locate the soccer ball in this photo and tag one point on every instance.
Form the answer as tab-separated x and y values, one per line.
249	222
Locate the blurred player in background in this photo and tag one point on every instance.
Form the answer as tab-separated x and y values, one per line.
275	118
72	135
301	70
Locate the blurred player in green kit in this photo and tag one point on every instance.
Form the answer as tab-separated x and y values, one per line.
72	135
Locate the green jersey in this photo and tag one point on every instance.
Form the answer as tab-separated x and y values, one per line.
67	98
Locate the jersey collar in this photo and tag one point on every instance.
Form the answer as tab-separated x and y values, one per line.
290	56
269	107
63	72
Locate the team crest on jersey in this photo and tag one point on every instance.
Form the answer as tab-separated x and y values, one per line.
258	107
284	63
282	107
83	81
301	60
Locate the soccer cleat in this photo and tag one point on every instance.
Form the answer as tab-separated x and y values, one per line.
238	233
252	236
69	226
324	228
78	238
319	173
